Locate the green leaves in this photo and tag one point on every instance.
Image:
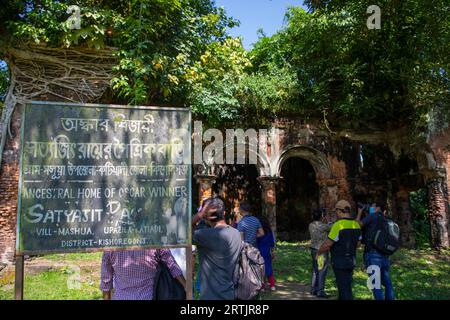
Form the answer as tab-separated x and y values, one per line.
323	62
158	43
4	83
379	76
215	79
161	45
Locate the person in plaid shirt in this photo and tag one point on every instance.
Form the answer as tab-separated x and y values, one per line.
131	273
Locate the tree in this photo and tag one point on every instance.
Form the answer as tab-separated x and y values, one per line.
325	63
362	78
156	42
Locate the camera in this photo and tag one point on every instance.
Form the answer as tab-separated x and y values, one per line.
364	206
367	207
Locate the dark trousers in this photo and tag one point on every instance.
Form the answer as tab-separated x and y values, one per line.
344	278
318	276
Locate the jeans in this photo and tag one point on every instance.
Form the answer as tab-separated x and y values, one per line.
374	258
344	279
318	276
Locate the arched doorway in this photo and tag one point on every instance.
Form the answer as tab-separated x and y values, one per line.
298	194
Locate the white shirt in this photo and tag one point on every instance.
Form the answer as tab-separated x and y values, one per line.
180	257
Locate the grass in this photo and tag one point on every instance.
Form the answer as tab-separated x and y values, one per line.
68	277
75	257
416	274
52	285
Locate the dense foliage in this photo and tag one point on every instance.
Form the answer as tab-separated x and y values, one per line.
4	83
419	208
325	63
159	44
362	77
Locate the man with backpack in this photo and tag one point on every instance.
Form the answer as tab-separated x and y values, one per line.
219	248
380	238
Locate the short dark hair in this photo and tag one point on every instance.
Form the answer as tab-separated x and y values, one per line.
245	206
316	215
265	224
230	217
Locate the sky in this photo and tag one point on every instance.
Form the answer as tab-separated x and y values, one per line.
256	14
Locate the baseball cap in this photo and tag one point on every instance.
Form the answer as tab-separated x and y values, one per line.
342	204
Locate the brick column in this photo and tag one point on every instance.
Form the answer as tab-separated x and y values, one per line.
9	187
205	182
404	218
328	195
438	211
447	169
269	200
8	211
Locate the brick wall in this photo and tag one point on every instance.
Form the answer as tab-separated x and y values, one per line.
448	187
9	181
448	173
8	208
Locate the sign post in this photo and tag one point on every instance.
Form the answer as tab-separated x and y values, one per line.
19	277
103	177
189	273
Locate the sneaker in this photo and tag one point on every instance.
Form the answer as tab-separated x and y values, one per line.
323	296
273	288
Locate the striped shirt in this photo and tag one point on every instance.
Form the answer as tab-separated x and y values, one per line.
249	225
131	273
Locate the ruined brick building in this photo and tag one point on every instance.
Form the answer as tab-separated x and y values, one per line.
314	167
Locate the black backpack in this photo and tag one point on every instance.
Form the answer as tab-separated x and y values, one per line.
386	236
165	286
249	275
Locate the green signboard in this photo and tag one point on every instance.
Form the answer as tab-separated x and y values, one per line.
97	177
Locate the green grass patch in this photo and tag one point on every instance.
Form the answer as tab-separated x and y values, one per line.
53	285
416	274
73	276
74	257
